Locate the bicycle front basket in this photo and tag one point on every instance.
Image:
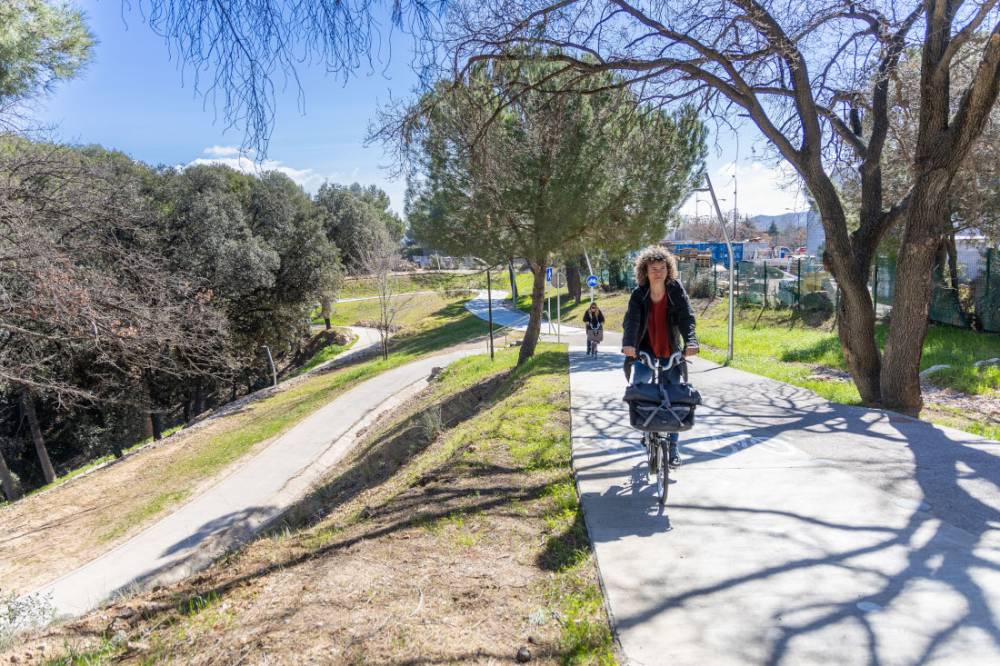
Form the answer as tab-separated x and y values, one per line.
658	417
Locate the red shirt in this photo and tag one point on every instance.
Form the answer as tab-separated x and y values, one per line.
658	328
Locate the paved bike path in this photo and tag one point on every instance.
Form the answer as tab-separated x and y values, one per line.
253	492
797	531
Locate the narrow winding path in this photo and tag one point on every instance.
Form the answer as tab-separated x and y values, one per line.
253	492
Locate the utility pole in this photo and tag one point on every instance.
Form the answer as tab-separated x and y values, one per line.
489	300
732	266
736	166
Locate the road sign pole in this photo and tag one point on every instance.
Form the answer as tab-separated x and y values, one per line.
732	271
489	301
558	306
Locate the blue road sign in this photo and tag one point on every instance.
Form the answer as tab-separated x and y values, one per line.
548	274
592	281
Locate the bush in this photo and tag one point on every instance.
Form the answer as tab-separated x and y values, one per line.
817	302
701	288
20	613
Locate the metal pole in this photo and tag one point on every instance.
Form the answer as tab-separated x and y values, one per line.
989	256
732	267
270	359
875	290
798	283
590	271
548	305
489	300
556	284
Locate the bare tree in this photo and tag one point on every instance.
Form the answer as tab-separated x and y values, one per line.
378	255
807	74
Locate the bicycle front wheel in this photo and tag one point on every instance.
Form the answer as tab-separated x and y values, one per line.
662	470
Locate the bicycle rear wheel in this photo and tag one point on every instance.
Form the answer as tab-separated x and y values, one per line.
662	469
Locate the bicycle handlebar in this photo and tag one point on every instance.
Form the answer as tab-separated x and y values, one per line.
675	359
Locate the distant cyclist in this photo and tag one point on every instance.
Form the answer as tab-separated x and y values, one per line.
659	319
594	320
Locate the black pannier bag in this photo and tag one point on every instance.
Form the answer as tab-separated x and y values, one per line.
662	407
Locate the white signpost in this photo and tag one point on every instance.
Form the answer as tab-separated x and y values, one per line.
592	283
548	302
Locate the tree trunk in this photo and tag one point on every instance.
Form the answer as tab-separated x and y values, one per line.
155	417
326	310
850	261
157	422
199	399
614	274
535	317
36	435
513	280
573	285
952	260
904	344
856	330
10	489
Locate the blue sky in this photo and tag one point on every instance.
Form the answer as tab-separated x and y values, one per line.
133	97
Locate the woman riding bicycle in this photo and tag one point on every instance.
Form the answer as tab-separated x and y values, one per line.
659	319
594	320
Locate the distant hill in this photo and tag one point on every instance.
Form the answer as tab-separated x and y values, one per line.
784	222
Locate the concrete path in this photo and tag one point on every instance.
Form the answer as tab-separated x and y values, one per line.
505	314
252	493
796	532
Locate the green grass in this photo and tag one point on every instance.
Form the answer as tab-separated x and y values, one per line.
783	348
107	649
362	287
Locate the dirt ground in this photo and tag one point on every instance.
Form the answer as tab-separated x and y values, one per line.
439	541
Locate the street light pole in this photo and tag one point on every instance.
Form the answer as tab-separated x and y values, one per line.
489	300
270	360
732	266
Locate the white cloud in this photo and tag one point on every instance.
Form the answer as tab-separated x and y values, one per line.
224	151
309	179
762	189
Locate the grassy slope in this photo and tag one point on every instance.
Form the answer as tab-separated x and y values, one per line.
490	497
362	287
150	483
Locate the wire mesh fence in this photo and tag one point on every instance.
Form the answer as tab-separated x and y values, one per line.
970	298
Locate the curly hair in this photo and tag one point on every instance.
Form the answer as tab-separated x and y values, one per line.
649	255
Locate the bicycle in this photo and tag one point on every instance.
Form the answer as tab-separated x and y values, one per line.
655	443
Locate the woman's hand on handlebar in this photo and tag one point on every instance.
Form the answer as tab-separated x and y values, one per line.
629	351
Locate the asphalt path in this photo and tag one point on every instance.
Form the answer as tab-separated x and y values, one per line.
252	493
797	531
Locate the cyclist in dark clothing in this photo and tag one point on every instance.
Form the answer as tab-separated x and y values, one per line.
594	320
659	319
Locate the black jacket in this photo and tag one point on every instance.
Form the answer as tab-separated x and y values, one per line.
679	314
588	319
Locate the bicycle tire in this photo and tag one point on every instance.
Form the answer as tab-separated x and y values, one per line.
662	471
